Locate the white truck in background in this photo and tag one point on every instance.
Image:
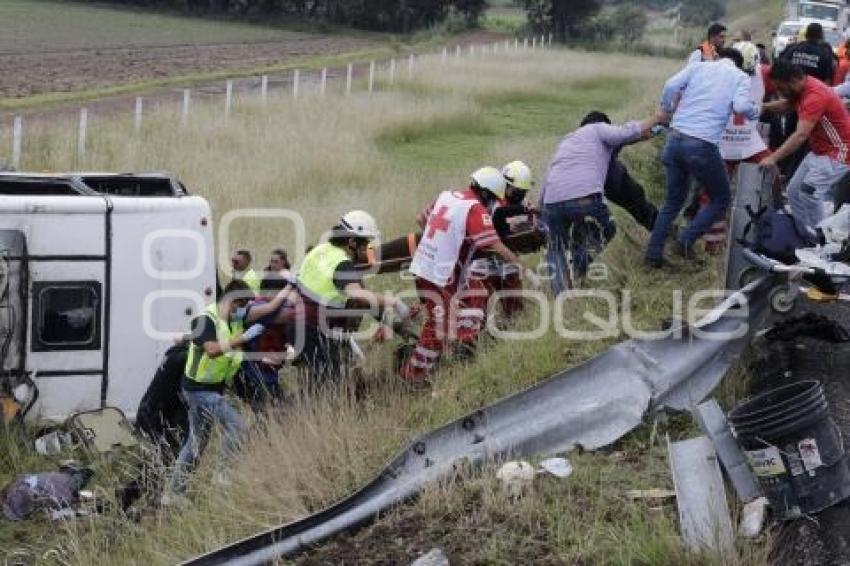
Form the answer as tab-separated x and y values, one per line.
831	14
98	272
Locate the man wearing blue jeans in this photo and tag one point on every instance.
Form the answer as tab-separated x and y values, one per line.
574	185
214	357
707	94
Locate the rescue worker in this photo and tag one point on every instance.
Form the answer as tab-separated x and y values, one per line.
214	358
457	226
813	54
707	51
510	215
334	298
241	262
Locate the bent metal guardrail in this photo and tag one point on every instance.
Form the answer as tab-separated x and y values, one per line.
589	406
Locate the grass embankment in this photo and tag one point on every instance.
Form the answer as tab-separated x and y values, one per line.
390	153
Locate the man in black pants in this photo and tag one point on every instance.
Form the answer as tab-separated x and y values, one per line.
620	187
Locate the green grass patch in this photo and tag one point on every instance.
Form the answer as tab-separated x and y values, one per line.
552	111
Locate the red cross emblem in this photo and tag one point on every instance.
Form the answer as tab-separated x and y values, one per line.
438	221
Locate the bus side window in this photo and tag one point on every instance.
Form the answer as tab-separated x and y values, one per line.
66	315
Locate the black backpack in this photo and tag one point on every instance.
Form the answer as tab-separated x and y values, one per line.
776	234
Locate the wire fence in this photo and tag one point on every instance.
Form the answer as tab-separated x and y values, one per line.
295	80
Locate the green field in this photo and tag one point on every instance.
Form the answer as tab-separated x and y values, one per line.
390	153
43	25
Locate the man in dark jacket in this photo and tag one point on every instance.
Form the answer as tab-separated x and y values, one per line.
813	55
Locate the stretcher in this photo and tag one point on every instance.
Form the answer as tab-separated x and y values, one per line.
816	283
395	255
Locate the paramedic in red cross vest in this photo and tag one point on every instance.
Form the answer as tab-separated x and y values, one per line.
511	215
457	226
825	125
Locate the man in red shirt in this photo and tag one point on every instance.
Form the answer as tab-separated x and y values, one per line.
825	125
458	225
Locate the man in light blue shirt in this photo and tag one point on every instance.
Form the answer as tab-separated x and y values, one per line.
707	94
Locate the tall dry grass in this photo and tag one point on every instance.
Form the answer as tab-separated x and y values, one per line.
388	152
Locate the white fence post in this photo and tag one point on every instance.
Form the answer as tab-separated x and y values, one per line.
184	114
17	141
137	115
542	41
495	48
348	79
534	42
550	39
81	134
516	44
296	78
264	88
392	71
228	99
323	84
471	49
525	43
507	45
457	52
445	55
410	66
371	75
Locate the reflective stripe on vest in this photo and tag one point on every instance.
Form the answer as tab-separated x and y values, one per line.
316	276
204	369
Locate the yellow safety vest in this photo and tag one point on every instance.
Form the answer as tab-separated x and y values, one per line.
204	369
316	276
250	278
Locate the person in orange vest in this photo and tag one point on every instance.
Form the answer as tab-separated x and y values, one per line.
707	51
458	224
843	64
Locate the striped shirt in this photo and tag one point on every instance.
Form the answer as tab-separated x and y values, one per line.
831	134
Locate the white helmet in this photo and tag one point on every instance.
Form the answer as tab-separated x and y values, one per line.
751	55
518	174
359	224
490	179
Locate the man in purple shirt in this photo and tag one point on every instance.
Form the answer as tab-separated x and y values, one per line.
574	185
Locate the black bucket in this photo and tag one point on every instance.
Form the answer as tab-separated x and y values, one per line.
794	448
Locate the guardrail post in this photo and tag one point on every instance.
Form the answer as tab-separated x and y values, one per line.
371	75
264	88
296	78
323	85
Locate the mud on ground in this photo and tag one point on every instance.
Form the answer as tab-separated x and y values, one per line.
26	74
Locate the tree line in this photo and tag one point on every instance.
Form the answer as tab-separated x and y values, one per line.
380	15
